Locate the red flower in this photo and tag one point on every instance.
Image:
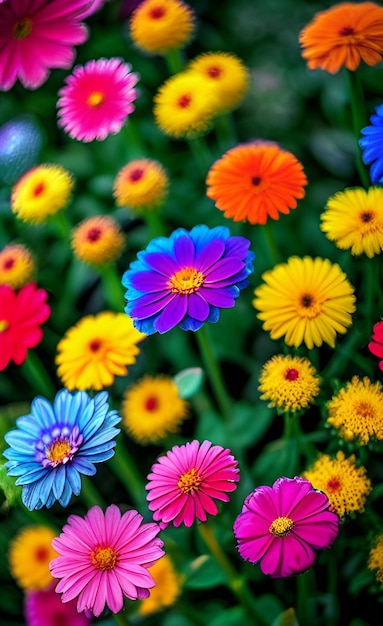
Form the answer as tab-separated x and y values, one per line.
21	314
376	344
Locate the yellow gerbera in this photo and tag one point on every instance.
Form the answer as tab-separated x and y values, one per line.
375	559
97	240
17	266
141	184
29	555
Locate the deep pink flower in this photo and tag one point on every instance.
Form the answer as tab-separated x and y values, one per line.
96	99
104	557
282	526
38	35
45	608
376	344
185	483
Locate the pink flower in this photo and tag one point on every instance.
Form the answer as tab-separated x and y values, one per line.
38	35
282	526
96	99
104	557
185	482
45	608
376	344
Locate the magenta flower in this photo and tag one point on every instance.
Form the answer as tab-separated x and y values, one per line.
282	526
38	35
45	608
104	557
185	483
96	99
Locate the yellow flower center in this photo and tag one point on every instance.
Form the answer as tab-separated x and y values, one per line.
22	28
186	281
281	526
103	558
364	410
95	98
190	481
3	325
308	306
59	451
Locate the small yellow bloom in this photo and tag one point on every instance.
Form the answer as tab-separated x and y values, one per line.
97	240
167	587
17	266
141	184
29	555
375	559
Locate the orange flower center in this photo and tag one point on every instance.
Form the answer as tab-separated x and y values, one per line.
151	403
281	527
186	281
103	558
157	12
38	190
22	28
291	374
3	325
184	101
95	98
190	481
214	71
136	174
333	484
346	30
364	410
94	234
59	451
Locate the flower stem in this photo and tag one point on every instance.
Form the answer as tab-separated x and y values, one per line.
126	471
271	244
90	495
174	60
155	223
121	618
214	373
225	131
112	287
35	373
359	119
199	147
136	147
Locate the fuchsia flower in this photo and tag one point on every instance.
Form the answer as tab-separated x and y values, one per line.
376	344
45	608
184	483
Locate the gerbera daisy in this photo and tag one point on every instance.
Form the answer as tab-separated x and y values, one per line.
184	484
45	608
376	344
284	526
167	587
289	383
21	140
157	26
53	445
343	36
97	99
186	279
104	557
97	240
305	301
36	36
96	349
152	408
21	315
375	558
17	266
345	484
353	219
29	555
41	192
256	181
141	184
371	144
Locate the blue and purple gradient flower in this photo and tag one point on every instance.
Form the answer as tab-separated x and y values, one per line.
372	145
53	445
186	279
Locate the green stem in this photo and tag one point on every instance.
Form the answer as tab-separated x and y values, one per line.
200	149
174	60
332	583
90	495
371	286
225	131
342	356
121	618
124	468
359	119
214	373
155	223
306	591
271	244
136	147
35	373
63	225
112	287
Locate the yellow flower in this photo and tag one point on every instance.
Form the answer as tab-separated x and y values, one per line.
152	409
41	192
345	484
157	26
167	587
289	383
97	349
29	555
141	184
353	219
375	559
17	266
305	301
97	240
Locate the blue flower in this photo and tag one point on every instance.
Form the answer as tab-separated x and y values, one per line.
186	279
372	145
53	445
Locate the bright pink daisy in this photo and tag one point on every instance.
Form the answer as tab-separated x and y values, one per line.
185	482
284	525
104	557
376	344
96	99
36	35
45	608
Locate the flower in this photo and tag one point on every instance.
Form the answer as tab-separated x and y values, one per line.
353	219
371	144
375	558
37	36
283	527
158	26
44	608
21	314
29	554
41	192
184	484
104	557
376	344
53	445
141	184
152	408
166	590
17	265
345	484
96	99
289	383
21	140
305	300
97	240
256	181
184	106
226	74
186	278
96	349
343	36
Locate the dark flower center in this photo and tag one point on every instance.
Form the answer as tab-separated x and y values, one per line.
94	234
346	30
366	216
157	12
214	71
333	484
136	174
184	101
22	28
291	374
95	345
8	264
256	180
38	190
41	554
151	403
306	300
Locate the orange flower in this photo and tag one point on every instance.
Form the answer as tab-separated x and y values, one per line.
255	181
344	35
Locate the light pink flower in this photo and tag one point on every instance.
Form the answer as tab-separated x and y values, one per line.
284	525
96	99
45	608
38	35
185	483
104	557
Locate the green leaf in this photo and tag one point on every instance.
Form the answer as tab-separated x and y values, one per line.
204	573
287	618
249	424
189	381
234	616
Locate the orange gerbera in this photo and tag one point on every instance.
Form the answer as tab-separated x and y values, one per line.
255	181
344	35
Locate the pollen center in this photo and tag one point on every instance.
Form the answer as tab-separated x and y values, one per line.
186	281
291	374
333	484
214	71
307	306
366	216
364	410
136	174
151	403
281	526
9	263
157	12
3	325
94	234
94	345
22	28
346	30
184	101
256	180
95	98
42	554
59	451
38	190
190	481
103	558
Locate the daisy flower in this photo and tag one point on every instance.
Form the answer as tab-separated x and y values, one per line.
256	181
104	557
96	99
167	587
282	527
29	553
184	484
141	184
375	559
17	266
375	346
97	240
371	145
45	608
21	140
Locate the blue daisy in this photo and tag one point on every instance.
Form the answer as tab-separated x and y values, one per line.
372	145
